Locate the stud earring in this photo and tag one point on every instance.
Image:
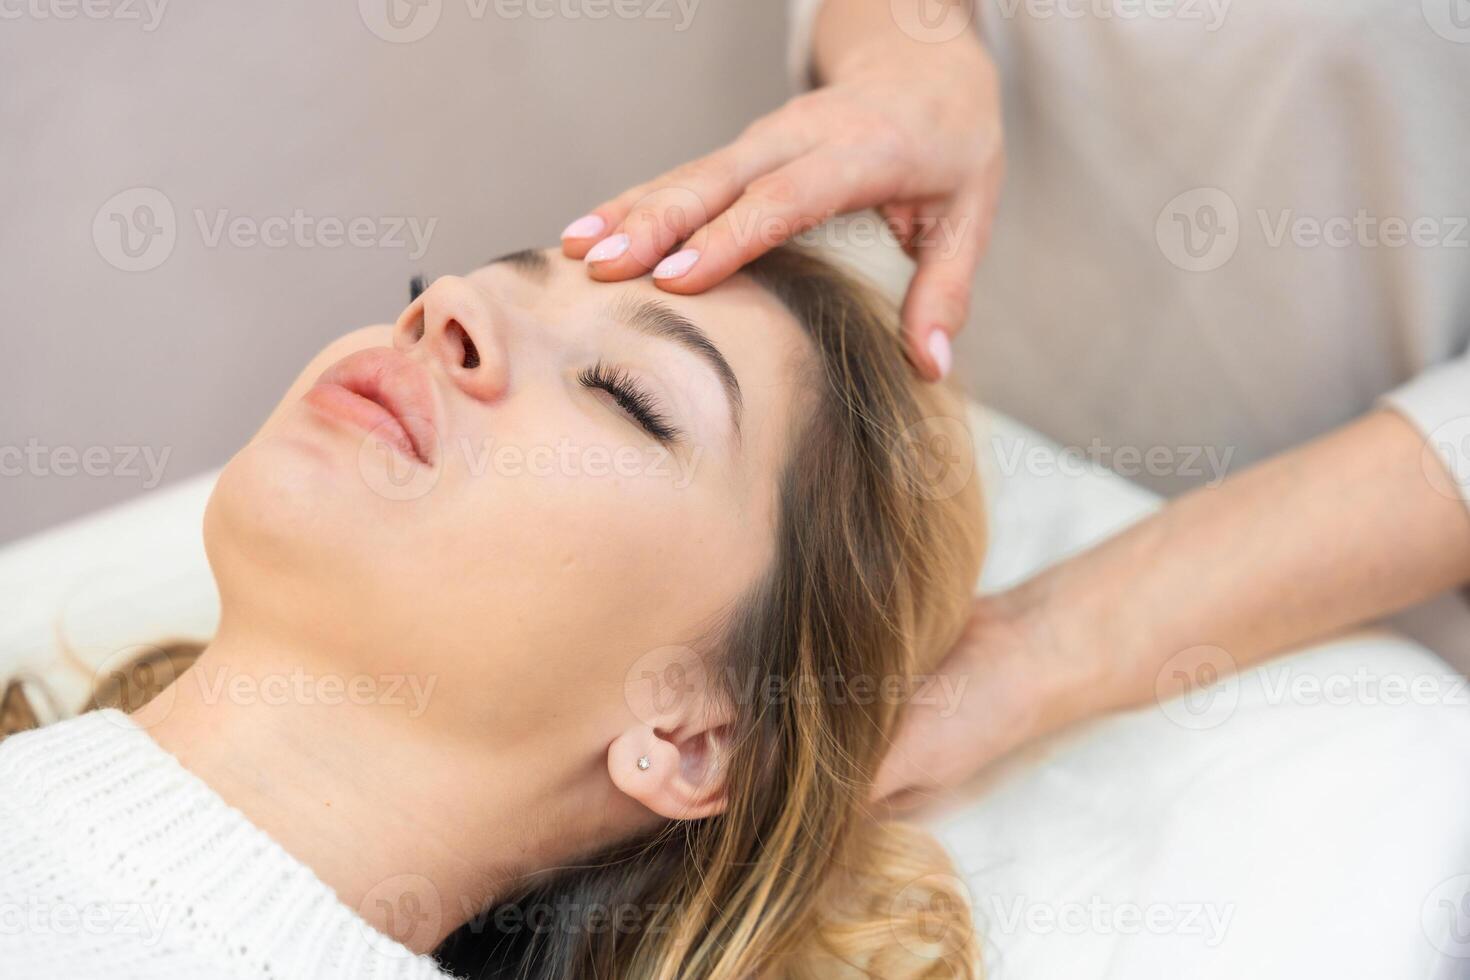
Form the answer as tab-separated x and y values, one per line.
643	763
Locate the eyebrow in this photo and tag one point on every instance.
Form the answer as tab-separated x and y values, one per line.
532	262
648	317
663	322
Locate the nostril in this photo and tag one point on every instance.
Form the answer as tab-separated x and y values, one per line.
471	352
415	328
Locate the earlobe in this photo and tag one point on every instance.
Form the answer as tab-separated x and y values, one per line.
678	779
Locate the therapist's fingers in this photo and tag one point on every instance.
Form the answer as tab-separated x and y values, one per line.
913	771
1009	680
628	235
902	220
775	208
978	705
947	246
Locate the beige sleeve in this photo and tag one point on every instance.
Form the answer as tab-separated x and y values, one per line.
1437	403
801	18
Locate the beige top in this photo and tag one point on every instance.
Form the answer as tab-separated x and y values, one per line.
1227	227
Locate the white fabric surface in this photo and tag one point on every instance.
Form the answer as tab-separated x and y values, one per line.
1323	836
1266	834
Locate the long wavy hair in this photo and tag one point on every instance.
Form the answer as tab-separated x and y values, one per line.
879	540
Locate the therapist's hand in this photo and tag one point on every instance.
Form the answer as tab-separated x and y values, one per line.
1015	675
909	128
1356	525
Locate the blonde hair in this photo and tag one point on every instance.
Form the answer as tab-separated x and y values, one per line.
879	542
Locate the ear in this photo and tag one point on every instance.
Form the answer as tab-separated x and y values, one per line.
679	774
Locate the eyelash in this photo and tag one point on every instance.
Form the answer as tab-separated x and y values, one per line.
631	398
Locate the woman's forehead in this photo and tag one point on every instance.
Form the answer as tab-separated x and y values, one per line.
753	330
766	349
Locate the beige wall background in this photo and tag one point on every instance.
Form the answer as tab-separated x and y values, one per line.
142	346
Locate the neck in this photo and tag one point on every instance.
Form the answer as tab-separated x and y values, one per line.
418	829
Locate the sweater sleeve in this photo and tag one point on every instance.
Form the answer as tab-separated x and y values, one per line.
801	22
1437	403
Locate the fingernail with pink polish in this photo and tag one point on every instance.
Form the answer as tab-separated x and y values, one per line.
677	264
941	352
609	248
584	227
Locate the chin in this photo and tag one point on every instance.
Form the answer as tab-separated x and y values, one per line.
294	510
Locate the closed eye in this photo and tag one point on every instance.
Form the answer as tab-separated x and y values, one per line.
631	397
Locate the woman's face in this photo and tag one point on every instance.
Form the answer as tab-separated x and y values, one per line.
518	490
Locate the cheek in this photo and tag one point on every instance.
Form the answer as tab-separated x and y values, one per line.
585	573
282	503
558	512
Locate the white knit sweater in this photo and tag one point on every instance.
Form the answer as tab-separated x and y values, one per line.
117	862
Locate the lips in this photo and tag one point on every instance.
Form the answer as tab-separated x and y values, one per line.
385	393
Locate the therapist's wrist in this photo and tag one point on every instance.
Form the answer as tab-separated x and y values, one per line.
1091	642
856	38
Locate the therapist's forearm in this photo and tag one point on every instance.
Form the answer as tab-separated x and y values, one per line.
851	34
1336	533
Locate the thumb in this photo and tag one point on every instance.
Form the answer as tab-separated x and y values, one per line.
909	764
938	301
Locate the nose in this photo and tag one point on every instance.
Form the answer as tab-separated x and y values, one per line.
452	323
